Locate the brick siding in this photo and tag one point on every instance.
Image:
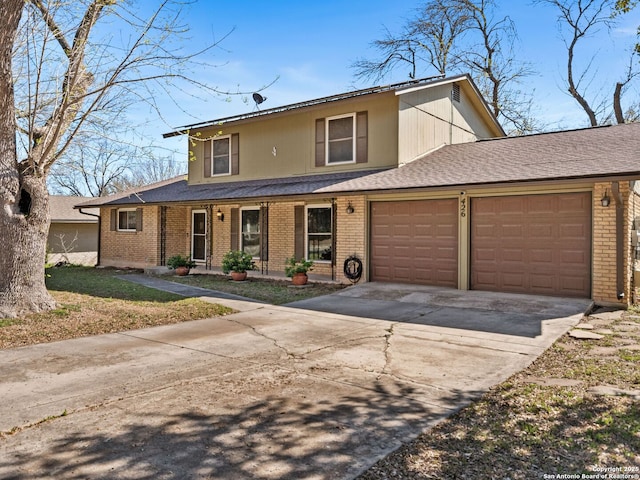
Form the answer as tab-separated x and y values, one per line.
604	280
130	249
142	249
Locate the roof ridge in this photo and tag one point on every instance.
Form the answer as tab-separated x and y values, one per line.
317	101
553	132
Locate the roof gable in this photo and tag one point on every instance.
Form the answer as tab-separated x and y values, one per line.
398	88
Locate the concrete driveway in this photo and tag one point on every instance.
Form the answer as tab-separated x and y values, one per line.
319	389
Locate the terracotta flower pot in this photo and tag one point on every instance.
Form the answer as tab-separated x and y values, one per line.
238	276
299	279
182	271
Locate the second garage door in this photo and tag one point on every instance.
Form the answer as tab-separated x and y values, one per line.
539	244
415	242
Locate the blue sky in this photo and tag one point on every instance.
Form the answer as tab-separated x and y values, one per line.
309	48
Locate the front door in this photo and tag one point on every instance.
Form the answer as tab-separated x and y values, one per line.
199	235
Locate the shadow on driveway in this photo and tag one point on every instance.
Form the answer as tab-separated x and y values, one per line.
272	438
501	313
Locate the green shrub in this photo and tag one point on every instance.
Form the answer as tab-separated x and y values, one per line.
237	261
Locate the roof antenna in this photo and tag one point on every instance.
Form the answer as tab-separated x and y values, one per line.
258	99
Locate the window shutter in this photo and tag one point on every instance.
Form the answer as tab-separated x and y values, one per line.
138	219
361	137
235	154
114	219
299	232
320	147
235	225
207	158
264	233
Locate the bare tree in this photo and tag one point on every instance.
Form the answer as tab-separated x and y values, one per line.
91	168
153	168
579	19
459	36
428	38
56	73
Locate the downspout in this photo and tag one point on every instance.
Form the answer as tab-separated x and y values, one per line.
615	190
99	231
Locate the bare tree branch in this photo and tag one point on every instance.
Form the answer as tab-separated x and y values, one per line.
460	36
580	19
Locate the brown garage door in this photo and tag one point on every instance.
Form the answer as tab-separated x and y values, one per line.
538	244
415	242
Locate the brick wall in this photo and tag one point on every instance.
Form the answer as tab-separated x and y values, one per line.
350	229
282	235
130	249
178	231
604	283
351	234
221	234
633	212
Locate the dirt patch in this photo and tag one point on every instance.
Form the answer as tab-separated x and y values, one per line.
574	410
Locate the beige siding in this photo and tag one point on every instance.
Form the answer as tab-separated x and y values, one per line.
292	134
429	118
72	237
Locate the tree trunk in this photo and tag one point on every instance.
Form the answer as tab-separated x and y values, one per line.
24	226
24	208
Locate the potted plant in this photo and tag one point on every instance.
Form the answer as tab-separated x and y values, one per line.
237	263
181	264
297	270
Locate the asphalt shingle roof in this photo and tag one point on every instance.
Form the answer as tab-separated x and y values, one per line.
575	154
177	190
62	211
612	151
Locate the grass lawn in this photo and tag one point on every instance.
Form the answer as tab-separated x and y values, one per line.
273	291
574	411
92	301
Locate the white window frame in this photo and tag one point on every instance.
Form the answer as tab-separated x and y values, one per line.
213	158
206	226
241	231
306	229
135	213
353	139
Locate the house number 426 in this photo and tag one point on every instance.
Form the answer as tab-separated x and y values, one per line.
463	207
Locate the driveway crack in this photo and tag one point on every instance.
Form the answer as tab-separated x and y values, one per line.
267	337
386	349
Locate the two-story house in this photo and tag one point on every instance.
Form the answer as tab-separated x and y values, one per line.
415	180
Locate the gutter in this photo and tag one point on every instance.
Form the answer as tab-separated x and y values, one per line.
99	230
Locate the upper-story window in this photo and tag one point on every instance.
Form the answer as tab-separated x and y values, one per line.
222	156
341	139
341	136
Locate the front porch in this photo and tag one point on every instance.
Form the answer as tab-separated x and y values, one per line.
263	274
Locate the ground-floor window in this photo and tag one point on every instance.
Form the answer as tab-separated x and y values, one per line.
250	228
319	232
127	219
